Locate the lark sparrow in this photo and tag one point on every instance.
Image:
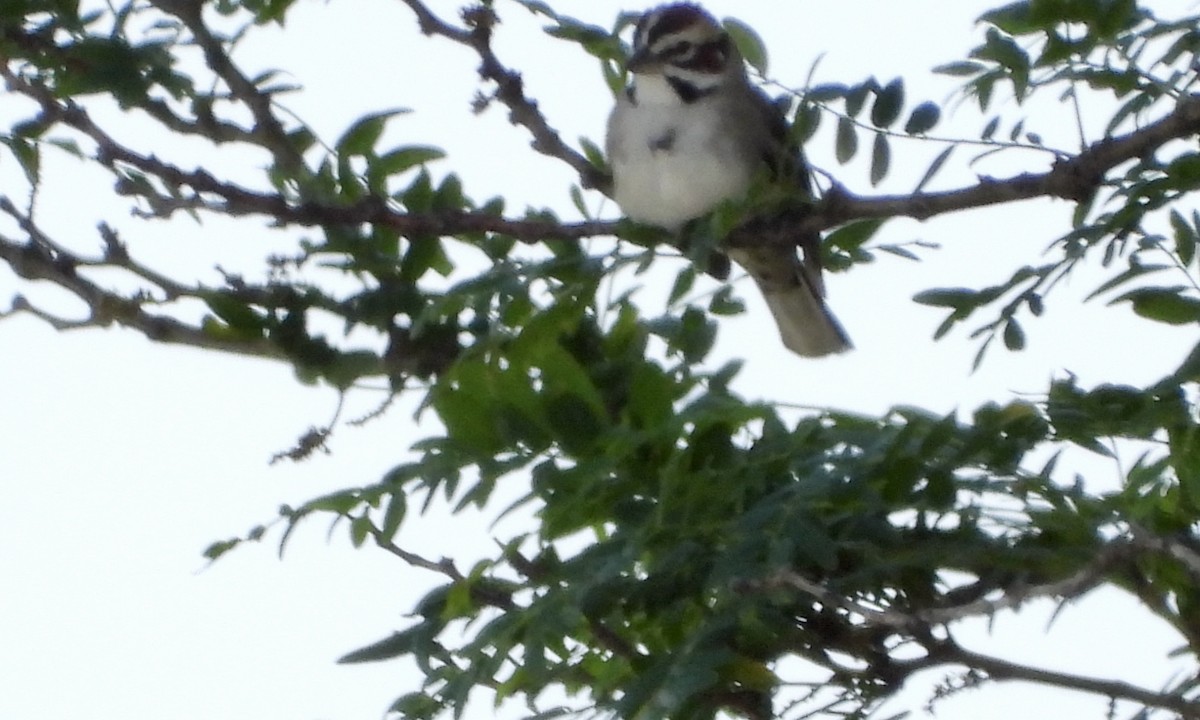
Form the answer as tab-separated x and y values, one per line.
691	132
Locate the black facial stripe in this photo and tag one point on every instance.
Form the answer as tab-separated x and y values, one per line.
688	92
680	48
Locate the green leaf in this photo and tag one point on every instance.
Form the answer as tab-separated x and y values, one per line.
393	517
1184	172
593	152
898	251
346	368
825	92
1005	52
28	156
1015	18
1165	305
67	145
449	195
417	706
852	235
934	167
725	303
1134	271
1014	336
360	530
538	8
856	96
748	43
464	400
1131	107
956	298
107	65
340	503
397	161
847	140
888	103
393	646
696	335
419	195
1185	458
652	396
1186	237
217	549
684	281
422	255
923	118
576	424
595	40
361	137
237	314
881	158
805	123
578	201
963	68
272	11
990	128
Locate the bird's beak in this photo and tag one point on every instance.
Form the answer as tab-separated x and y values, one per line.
644	62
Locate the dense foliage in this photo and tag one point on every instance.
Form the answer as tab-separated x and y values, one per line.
693	552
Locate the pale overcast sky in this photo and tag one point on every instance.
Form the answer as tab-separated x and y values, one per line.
122	460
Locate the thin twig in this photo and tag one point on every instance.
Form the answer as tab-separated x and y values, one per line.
445	566
510	89
1070	587
268	131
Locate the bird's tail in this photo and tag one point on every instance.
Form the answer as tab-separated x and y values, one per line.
796	300
805	323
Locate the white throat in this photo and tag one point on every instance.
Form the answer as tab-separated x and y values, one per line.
655	90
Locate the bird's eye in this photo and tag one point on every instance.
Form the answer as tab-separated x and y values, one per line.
678	50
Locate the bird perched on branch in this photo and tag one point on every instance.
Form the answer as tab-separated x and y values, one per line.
691	132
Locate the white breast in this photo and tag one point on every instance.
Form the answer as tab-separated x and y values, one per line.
667	184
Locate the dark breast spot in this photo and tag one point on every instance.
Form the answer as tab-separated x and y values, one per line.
664	143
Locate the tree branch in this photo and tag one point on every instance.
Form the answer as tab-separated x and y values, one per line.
998	669
1072	178
32	262
1188	558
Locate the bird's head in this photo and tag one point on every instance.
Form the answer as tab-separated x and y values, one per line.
687	47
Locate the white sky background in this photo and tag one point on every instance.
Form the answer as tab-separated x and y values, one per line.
121	460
